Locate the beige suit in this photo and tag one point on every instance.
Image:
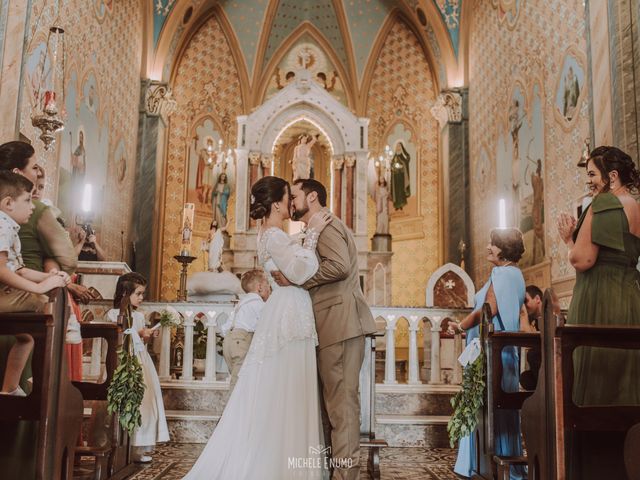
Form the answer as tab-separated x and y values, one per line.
343	319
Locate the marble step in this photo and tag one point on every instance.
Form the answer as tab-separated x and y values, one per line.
428	431
414	399
195	396
191	426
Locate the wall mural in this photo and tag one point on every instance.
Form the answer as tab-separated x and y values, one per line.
568	94
83	151
306	51
520	169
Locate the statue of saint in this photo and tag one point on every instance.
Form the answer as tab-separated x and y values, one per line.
301	161
216	244
220	199
400	180
382	206
79	160
204	173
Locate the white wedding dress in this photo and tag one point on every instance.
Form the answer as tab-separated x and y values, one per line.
271	427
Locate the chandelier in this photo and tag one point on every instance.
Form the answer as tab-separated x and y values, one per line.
50	93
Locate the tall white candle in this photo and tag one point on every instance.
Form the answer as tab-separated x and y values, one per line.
502	213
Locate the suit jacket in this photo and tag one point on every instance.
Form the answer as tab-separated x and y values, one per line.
339	305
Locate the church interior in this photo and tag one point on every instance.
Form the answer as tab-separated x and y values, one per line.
437	128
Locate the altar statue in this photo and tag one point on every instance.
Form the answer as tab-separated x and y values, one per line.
220	199
216	244
204	173
301	161
400	181
381	197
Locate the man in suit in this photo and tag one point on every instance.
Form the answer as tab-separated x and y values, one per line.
343	318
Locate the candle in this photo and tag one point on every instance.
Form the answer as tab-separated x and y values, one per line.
502	213
86	198
187	228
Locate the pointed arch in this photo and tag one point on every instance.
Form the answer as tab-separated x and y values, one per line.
229	34
305	27
394	17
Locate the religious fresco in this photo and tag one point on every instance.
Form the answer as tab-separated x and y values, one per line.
83	152
568	95
523	53
482	172
520	170
450	11
102	81
306	53
403	173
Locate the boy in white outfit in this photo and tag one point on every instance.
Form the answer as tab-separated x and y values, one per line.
245	319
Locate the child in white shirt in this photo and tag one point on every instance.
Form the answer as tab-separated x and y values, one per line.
245	318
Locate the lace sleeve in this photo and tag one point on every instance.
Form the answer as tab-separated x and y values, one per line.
311	239
296	262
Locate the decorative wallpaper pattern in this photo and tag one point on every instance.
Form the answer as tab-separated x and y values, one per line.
402	91
206	82
103	45
528	42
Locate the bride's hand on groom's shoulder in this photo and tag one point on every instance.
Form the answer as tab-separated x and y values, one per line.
280	279
320	220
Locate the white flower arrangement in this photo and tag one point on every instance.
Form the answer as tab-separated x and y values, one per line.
169	317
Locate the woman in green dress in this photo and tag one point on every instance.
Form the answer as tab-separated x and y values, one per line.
604	246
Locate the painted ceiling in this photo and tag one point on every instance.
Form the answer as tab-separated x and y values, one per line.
363	17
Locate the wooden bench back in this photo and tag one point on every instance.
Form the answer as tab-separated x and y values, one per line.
550	413
53	402
493	342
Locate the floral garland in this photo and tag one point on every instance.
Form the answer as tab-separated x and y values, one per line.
468	401
126	390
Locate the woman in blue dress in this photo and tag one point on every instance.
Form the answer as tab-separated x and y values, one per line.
505	293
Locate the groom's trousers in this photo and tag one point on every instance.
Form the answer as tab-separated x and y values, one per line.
339	370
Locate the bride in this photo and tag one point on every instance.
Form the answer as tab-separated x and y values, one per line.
271	427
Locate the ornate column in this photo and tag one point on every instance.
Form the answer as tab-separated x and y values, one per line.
187	364
337	165
436	376
156	106
164	370
254	175
350	162
450	109
390	354
265	163
210	362
414	325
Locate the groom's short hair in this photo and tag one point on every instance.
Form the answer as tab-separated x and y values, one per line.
308	185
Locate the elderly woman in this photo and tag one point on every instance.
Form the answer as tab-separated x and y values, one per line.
604	246
505	293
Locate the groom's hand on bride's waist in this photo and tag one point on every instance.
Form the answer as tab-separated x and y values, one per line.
280	279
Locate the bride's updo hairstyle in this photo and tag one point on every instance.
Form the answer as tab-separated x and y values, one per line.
264	193
608	159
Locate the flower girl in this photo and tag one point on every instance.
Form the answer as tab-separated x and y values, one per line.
154	424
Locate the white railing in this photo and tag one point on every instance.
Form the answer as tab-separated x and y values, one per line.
429	320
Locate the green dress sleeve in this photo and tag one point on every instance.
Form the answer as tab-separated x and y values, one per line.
607	228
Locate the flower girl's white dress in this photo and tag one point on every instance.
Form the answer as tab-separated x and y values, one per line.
154	423
271	426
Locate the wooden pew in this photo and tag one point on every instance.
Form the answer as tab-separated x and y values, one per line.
106	441
550	414
489	464
367	407
53	403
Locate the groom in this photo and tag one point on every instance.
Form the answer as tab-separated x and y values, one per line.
343	319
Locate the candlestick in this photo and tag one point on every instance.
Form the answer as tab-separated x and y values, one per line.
184	260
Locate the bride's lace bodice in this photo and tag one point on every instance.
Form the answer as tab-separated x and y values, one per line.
288	314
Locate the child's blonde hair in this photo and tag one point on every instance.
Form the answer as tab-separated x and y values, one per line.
249	280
